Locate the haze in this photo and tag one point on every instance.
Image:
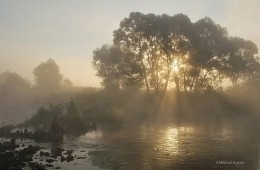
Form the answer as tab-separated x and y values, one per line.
68	31
129	84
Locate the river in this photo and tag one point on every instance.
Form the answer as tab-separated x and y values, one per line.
228	143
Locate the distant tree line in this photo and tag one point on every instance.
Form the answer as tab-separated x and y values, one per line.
47	78
155	52
19	96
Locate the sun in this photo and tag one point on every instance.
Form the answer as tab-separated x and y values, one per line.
175	66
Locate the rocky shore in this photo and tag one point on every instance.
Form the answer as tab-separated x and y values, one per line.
16	157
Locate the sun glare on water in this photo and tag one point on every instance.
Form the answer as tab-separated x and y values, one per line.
173	138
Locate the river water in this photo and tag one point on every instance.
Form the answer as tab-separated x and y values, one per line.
204	144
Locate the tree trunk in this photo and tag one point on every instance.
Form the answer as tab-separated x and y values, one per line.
184	82
176	79
145	78
167	80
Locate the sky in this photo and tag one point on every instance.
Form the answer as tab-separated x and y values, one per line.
32	31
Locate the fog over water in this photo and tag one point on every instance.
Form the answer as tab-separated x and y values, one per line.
129	85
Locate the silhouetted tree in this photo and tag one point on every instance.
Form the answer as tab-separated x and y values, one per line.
155	41
47	76
71	108
171	50
44	116
242	61
116	68
13	88
107	61
210	49
12	84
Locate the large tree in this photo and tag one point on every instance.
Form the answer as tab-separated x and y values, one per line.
116	67
173	51
242	63
47	76
156	41
107	60
15	97
209	51
13	83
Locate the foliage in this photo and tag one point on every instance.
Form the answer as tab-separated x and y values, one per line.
70	118
44	116
242	60
171	51
47	76
13	83
71	108
16	97
116	67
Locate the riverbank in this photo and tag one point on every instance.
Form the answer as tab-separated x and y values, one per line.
27	154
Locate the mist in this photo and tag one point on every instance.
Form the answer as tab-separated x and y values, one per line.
124	113
21	98
117	89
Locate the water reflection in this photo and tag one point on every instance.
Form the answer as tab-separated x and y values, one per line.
183	145
174	145
169	141
173	137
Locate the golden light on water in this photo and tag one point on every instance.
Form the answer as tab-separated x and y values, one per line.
173	138
171	142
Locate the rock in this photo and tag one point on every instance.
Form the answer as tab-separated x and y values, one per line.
7	146
8	155
41	153
49	160
30	150
37	147
28	159
18	159
13	141
68	152
59	151
69	158
37	166
47	154
62	158
23	164
49	165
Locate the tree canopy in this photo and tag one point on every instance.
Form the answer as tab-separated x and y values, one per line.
47	76
13	82
156	52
